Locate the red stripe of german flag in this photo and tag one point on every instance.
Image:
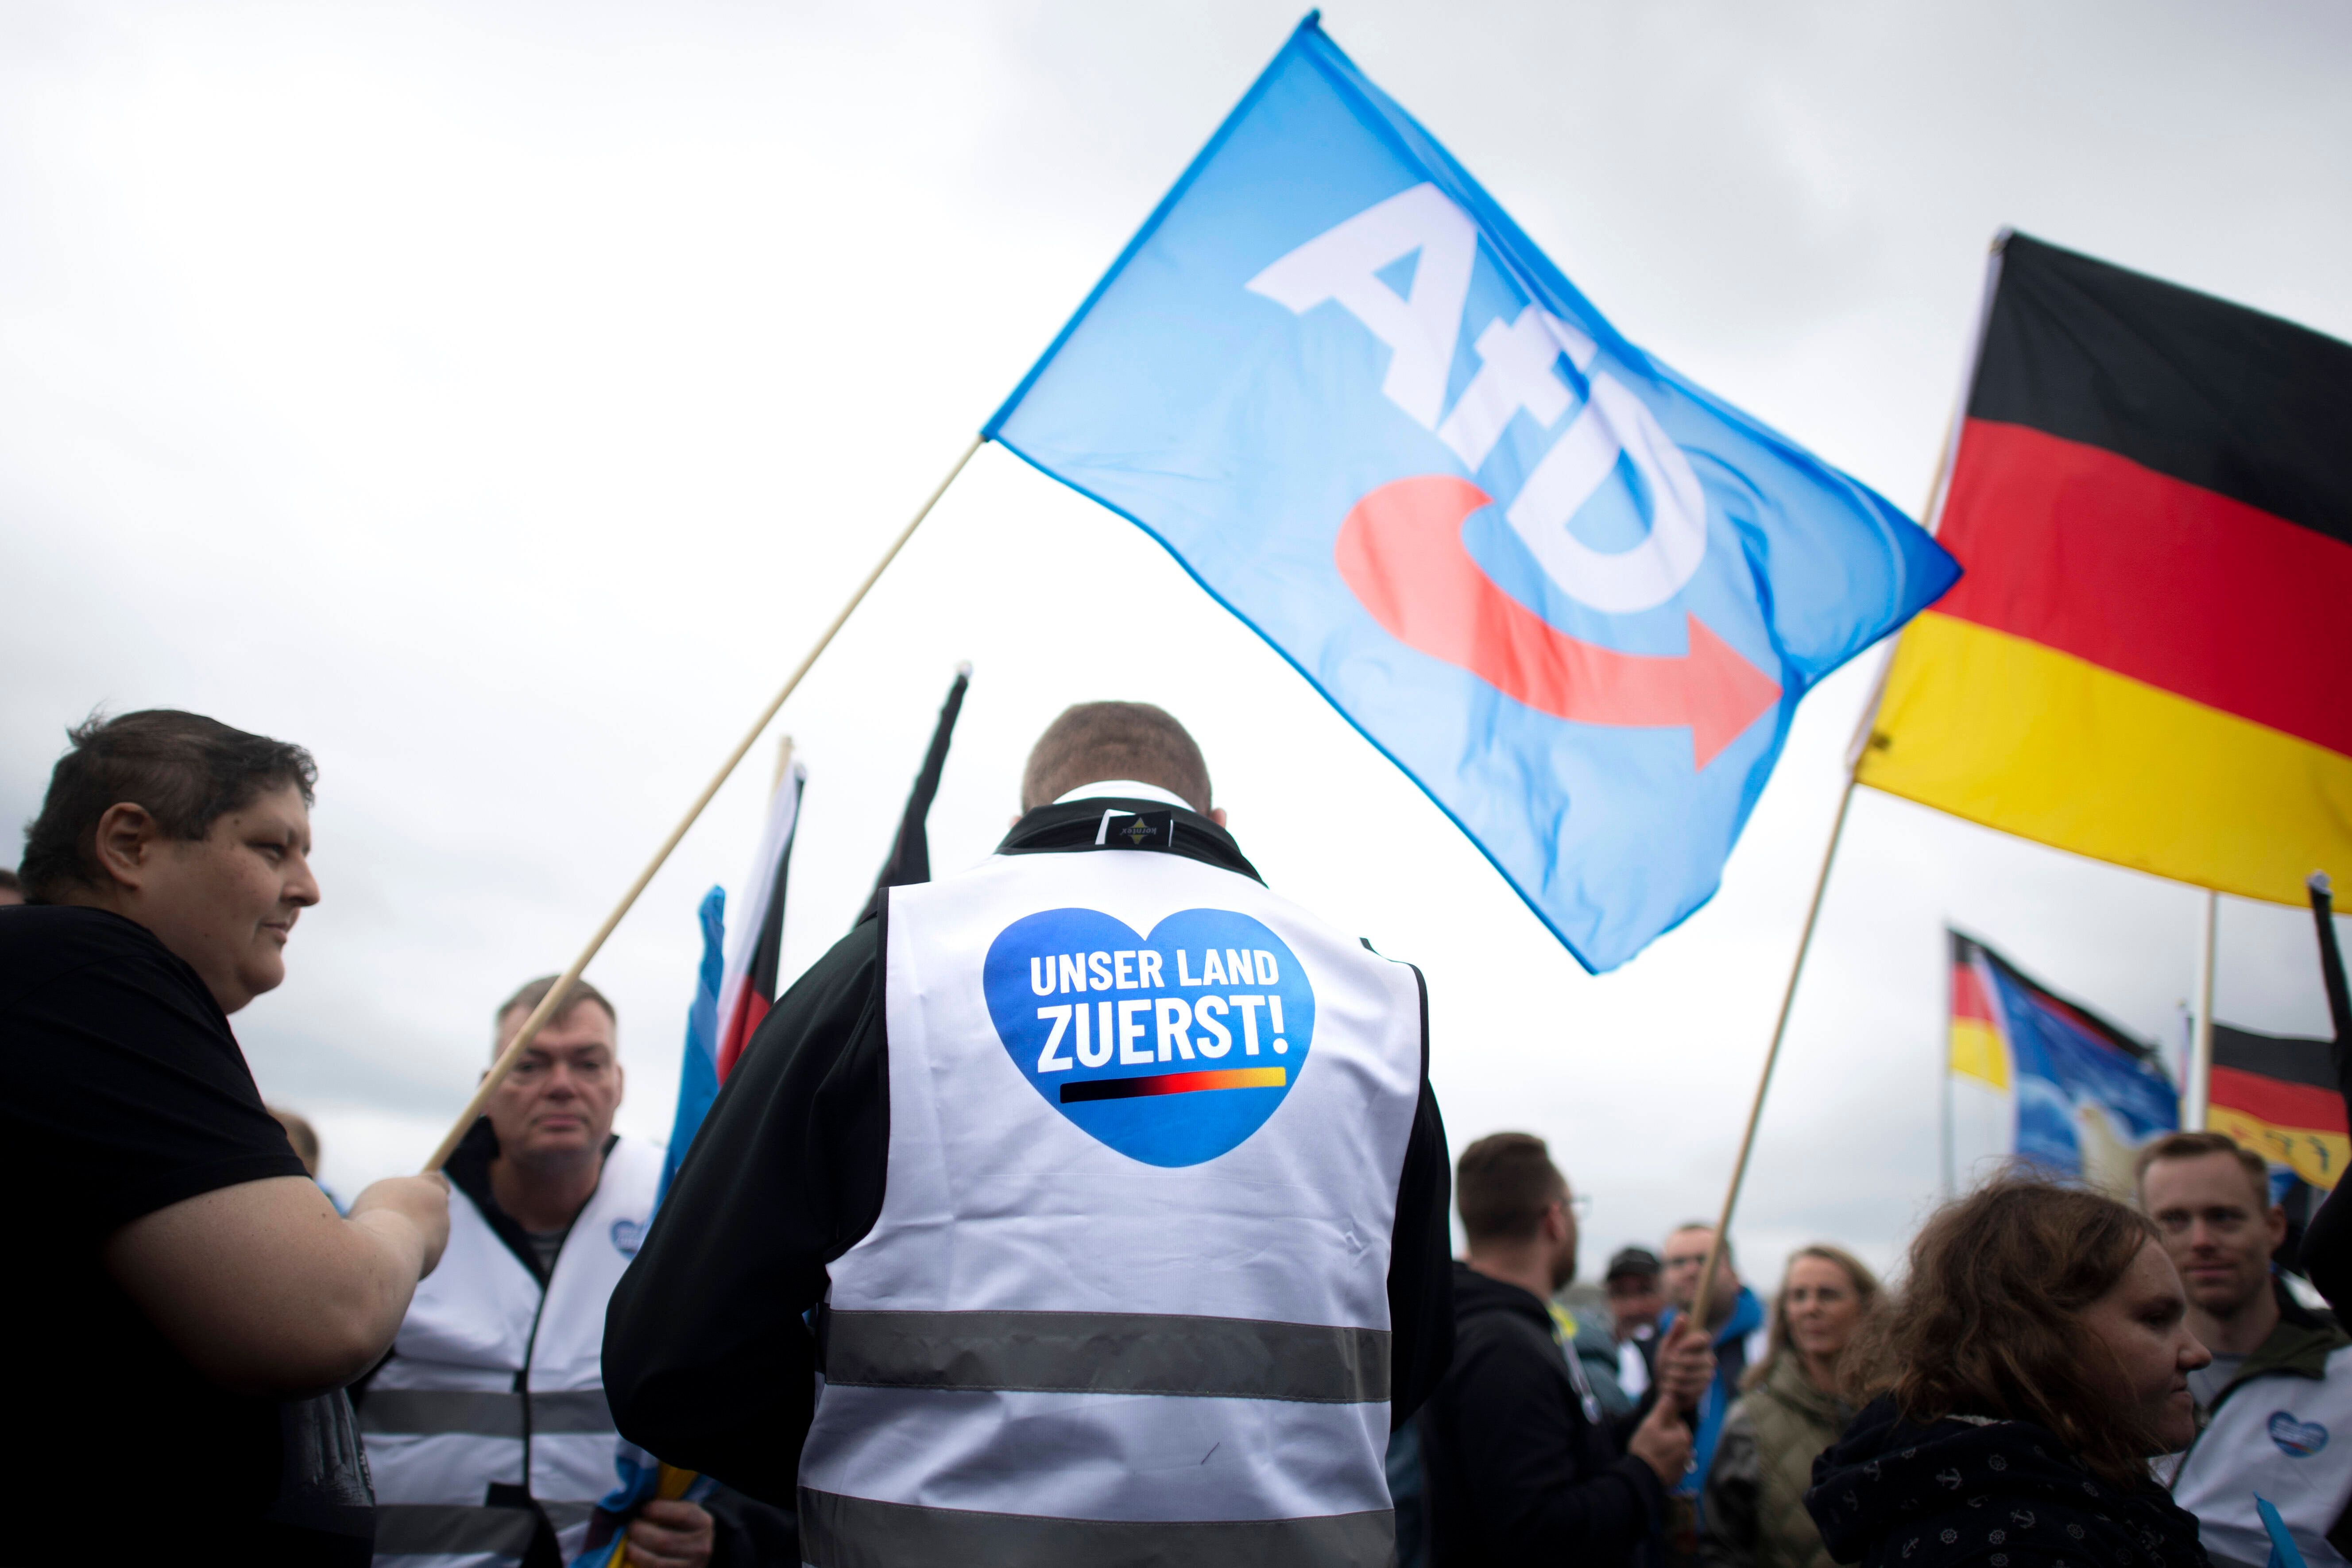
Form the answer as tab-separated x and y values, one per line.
2278	1094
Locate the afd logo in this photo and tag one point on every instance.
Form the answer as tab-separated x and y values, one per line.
2296	1439
1401	549
627	1233
1171	1046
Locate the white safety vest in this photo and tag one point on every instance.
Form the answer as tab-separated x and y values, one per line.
493	1380
2287	1439
1126	1299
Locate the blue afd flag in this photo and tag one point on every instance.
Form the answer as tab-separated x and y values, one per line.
1573	595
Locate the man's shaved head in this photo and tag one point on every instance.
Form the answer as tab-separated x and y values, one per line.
1096	740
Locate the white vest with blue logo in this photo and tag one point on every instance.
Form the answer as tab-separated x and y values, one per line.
1126	1299
2287	1439
492	1381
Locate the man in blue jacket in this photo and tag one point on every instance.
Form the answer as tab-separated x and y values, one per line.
1738	1327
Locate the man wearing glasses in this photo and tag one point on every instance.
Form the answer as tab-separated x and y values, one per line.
2277	1399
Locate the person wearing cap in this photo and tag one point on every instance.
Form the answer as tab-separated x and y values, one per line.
1637	1294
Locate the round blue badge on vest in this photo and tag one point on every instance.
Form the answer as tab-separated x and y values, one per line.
1171	1047
626	1234
2296	1439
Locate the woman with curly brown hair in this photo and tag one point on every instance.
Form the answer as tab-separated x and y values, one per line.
2037	1357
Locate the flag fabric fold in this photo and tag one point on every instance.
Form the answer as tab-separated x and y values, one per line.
754	958
1573	595
2152	492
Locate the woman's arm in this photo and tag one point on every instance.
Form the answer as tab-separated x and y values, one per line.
267	1291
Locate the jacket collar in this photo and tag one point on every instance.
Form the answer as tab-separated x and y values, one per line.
1787	1382
469	1170
2299	1346
1079	825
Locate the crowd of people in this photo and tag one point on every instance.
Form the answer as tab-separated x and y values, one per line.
902	1306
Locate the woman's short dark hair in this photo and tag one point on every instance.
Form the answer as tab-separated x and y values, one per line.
188	770
1989	1322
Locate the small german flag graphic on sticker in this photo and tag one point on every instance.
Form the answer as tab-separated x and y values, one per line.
1173	1083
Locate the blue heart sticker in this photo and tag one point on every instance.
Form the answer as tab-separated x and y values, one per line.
1170	1048
2296	1439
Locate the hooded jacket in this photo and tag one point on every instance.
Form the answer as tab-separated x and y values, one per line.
1522	1463
1763	1467
1971	1490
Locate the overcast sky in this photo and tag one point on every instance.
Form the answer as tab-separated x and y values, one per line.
498	399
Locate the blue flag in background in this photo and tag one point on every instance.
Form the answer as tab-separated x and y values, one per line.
638	1473
1574	596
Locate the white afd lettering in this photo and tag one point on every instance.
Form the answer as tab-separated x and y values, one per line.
1614	423
1343	264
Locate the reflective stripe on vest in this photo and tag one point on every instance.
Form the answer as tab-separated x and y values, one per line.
443	1421
1088	1337
856	1533
1108	1352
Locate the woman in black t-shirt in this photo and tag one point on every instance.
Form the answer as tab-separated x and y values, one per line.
187	1304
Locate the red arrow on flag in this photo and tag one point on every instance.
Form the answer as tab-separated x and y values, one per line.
1401	552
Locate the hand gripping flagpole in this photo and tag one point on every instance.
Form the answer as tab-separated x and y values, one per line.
565	982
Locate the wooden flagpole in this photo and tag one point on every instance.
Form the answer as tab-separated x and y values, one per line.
565	982
1698	1312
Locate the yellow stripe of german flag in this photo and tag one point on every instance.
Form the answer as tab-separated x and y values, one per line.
2018	737
2316	1155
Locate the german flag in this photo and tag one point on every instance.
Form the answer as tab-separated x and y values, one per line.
2151	490
1979	1050
2277	1095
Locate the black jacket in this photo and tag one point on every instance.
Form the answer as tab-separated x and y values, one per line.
708	1362
2002	1494
1515	1470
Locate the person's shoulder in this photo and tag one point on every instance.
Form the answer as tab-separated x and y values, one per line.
636	1164
43	943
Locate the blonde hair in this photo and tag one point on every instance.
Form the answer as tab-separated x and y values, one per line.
1865	1289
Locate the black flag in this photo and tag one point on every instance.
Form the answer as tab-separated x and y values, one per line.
910	857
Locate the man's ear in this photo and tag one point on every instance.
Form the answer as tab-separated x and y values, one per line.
1217	814
125	842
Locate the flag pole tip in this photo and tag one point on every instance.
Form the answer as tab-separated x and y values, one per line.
964	669
2318	883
